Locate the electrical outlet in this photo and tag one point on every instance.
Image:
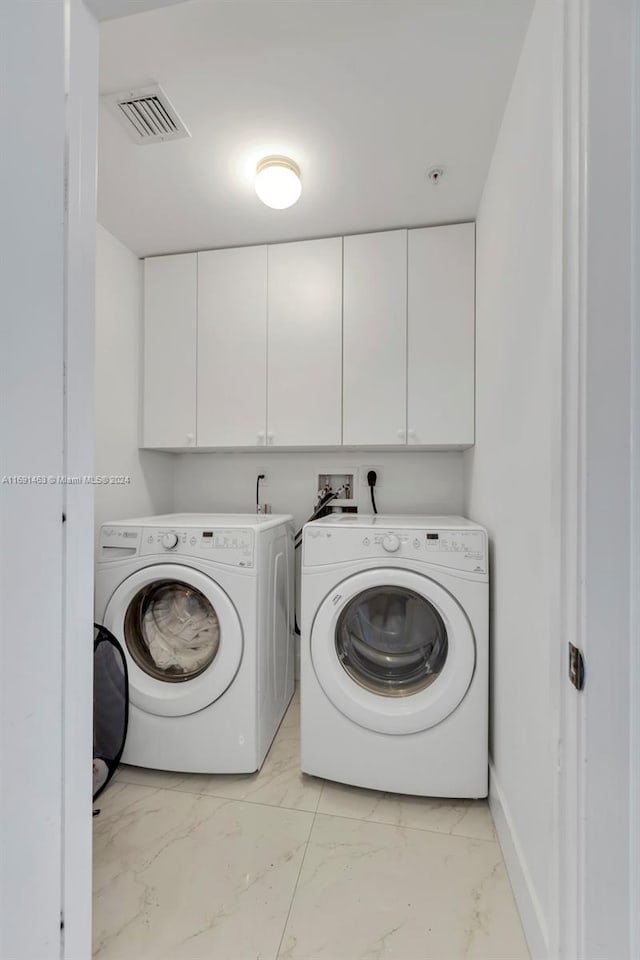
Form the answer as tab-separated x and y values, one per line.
363	476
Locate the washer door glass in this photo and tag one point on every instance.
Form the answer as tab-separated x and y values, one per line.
392	649
181	634
172	631
391	641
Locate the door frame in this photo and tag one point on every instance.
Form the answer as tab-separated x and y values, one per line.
634	672
596	875
81	102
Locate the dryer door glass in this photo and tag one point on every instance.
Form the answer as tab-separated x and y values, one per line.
171	631
391	641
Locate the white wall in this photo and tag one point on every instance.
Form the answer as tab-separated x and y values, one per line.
512	473
119	294
407	482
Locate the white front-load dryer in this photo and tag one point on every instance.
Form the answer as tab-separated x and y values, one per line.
203	608
394	654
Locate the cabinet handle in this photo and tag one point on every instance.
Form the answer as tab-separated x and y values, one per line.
401	434
261	438
190	438
412	435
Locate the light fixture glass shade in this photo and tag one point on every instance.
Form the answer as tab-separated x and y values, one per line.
278	182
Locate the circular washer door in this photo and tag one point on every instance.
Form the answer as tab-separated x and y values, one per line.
392	650
181	635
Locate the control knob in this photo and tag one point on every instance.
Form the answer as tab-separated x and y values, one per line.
169	540
391	543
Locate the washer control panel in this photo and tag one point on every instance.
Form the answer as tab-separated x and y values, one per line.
230	546
463	549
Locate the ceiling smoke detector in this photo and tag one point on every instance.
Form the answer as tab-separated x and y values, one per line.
435	175
147	114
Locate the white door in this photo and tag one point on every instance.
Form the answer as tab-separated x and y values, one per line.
304	373
597	907
181	635
169	393
441	335
375	338
232	347
392	650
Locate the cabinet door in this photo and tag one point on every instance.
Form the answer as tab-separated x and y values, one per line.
375	338
169	375
304	372
232	347
441	335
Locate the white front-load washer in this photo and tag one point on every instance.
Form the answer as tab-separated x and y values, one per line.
203	608
394	653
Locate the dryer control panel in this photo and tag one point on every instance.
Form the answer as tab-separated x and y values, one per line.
232	547
463	550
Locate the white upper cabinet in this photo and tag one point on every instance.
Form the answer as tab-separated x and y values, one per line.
232	347
375	339
304	366
363	341
441	336
169	375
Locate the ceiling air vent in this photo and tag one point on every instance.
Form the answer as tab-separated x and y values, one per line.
147	115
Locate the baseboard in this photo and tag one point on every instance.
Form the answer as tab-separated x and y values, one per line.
531	913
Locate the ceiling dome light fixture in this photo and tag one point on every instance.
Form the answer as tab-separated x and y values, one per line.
278	182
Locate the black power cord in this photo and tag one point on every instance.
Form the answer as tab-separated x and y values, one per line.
372	476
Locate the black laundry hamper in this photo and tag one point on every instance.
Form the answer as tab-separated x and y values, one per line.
110	706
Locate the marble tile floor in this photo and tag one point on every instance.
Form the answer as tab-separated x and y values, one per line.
281	866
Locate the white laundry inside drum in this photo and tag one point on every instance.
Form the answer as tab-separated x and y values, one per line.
172	631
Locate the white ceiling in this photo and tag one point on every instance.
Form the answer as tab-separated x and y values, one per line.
365	95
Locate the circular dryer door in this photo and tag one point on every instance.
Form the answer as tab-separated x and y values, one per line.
181	635
392	650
